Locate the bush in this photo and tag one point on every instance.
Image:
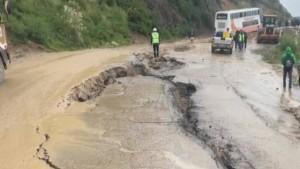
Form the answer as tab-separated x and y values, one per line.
273	54
289	40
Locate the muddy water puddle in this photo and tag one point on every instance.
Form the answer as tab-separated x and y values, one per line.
132	125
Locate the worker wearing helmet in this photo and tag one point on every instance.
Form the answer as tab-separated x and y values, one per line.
155	41
288	60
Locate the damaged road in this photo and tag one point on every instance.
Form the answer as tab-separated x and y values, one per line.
190	109
129	127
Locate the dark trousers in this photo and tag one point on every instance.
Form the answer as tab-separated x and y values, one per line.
3	62
287	71
245	43
156	50
236	43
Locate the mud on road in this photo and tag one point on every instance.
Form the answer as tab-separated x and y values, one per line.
135	117
188	109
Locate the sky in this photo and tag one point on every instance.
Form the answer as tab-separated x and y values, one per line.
292	6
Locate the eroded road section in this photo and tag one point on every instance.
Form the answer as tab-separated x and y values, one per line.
237	117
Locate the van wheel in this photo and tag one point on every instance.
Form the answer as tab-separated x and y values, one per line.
2	72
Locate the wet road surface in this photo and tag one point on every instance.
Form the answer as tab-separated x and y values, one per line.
130	127
239	105
242	103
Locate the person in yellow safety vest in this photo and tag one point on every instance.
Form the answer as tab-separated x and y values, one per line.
241	39
226	34
155	41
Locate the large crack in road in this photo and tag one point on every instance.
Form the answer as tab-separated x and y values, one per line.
227	156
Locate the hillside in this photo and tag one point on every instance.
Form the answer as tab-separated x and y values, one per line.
73	24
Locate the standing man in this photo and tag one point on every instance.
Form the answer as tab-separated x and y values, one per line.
288	60
192	34
245	39
298	68
241	38
236	38
155	40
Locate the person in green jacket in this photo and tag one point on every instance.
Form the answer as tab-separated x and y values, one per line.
155	41
241	39
288	60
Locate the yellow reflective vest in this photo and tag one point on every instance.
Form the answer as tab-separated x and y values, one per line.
226	35
155	37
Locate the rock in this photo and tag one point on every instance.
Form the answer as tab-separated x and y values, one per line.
115	44
156	67
111	81
162	59
82	97
117	72
47	137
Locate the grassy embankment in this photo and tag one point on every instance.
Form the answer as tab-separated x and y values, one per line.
74	24
273	54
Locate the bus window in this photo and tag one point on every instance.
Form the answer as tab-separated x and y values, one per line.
241	15
222	16
250	23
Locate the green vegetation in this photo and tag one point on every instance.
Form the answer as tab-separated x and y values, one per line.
72	24
273	54
62	25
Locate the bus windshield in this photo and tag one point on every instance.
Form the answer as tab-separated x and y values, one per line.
222	16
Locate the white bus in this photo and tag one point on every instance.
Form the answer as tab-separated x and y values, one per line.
247	19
